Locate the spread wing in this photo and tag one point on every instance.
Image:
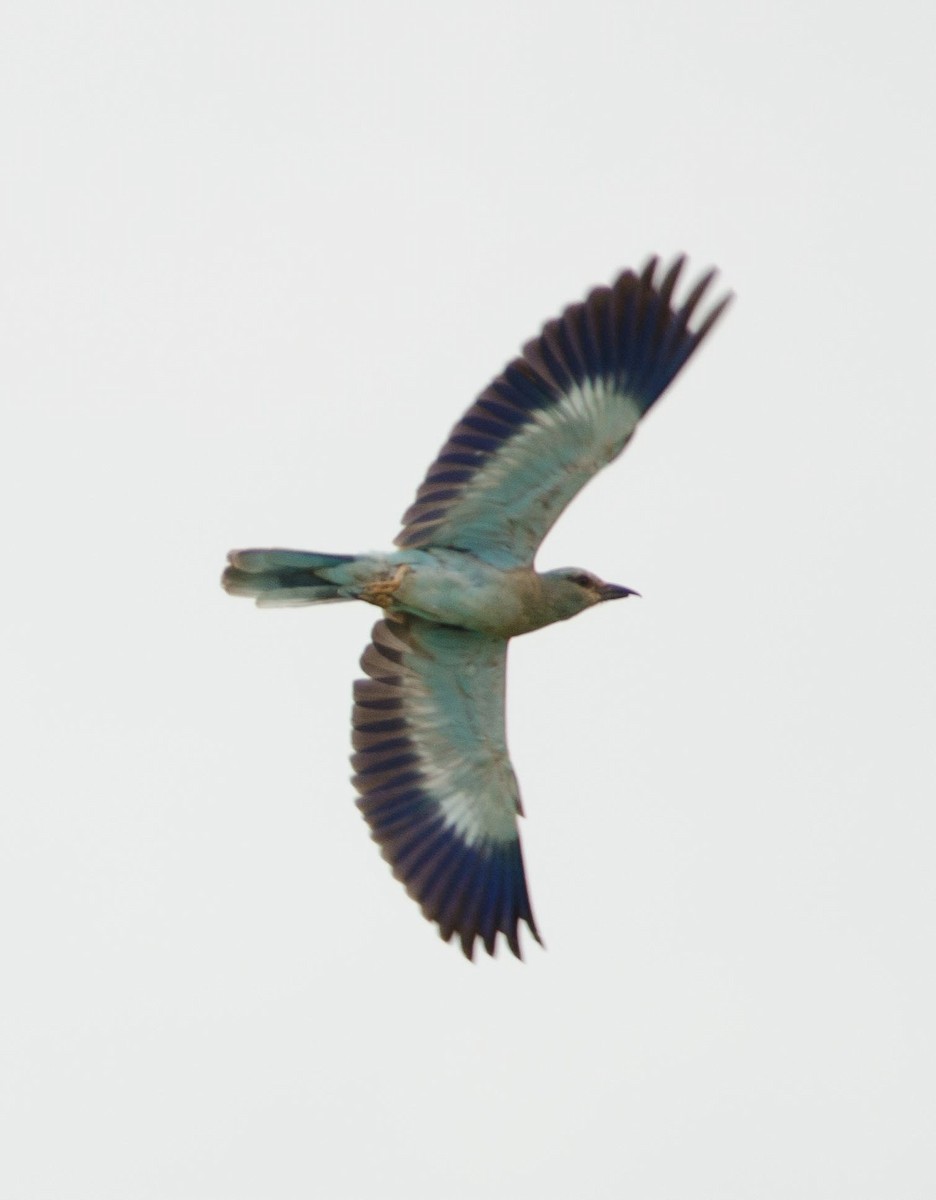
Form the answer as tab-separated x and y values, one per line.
556	416
435	779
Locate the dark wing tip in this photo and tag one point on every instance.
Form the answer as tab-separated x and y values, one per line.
472	893
655	334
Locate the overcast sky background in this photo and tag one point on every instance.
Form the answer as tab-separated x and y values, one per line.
254	261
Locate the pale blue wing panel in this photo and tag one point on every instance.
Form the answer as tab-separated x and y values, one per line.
556	416
435	779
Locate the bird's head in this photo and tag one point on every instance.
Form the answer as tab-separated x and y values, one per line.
570	590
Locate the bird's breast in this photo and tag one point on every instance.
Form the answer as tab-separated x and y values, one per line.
453	588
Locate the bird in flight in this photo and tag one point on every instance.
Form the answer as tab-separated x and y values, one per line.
431	764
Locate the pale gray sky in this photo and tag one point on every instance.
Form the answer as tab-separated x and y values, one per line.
254	261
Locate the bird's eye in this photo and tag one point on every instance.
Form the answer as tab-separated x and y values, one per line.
582	580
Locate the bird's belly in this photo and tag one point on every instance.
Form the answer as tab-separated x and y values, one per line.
497	603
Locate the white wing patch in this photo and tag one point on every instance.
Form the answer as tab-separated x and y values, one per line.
461	751
525	485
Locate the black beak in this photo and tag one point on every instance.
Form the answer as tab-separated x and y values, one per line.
614	591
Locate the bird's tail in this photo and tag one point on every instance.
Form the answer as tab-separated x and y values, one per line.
287	578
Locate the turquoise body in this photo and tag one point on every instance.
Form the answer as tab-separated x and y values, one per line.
450	587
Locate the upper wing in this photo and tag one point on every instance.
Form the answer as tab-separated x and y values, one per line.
555	417
435	779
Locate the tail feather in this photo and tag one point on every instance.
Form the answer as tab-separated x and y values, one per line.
285	578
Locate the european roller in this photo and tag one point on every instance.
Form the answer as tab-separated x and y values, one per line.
431	764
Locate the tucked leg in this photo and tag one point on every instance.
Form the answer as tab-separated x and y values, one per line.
382	591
